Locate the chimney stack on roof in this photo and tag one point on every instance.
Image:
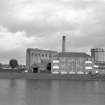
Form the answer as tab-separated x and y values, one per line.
63	43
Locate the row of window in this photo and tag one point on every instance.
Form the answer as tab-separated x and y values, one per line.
40	55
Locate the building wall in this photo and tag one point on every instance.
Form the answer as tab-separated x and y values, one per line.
37	56
69	64
98	55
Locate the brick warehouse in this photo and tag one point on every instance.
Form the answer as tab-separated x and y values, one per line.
37	59
71	62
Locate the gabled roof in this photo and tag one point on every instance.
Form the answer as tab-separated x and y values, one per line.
72	54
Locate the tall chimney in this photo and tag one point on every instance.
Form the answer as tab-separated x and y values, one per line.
63	43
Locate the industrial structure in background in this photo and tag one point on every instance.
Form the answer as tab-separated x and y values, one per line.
38	60
63	43
64	62
71	62
98	56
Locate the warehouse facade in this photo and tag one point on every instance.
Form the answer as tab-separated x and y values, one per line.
37	59
71	62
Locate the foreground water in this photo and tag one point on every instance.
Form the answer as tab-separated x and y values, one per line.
51	92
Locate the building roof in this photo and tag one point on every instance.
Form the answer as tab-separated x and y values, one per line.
36	49
72	54
97	50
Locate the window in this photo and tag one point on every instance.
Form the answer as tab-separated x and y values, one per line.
55	61
42	55
35	54
39	54
46	55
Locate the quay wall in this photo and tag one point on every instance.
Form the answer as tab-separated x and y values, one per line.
75	77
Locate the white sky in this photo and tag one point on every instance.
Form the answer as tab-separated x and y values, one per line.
41	23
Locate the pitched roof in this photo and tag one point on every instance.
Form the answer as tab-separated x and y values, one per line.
72	54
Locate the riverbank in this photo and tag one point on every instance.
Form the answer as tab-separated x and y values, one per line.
52	76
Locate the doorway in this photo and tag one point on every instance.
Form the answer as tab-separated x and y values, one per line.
35	70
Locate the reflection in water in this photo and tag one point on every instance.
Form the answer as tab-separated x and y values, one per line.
12	92
51	92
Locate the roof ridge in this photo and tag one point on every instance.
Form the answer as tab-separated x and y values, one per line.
74	54
41	49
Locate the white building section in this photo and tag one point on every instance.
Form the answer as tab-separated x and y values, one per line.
63	72
95	66
56	67
97	71
55	72
72	72
88	68
88	62
55	61
80	72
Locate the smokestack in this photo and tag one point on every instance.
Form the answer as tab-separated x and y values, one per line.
63	43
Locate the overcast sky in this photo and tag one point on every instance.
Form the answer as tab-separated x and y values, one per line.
41	23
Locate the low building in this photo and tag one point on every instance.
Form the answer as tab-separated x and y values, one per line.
71	62
38	59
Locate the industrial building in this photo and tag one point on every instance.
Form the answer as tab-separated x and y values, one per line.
71	62
98	55
37	59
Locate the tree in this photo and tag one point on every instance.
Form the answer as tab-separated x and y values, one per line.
13	63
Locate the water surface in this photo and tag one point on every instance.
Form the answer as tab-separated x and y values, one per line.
51	92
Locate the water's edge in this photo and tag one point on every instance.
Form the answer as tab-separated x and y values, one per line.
51	76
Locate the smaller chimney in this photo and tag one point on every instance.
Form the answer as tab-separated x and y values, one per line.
63	43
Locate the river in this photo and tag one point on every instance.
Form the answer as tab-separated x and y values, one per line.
51	92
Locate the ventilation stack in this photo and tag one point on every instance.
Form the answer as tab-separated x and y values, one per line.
63	43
